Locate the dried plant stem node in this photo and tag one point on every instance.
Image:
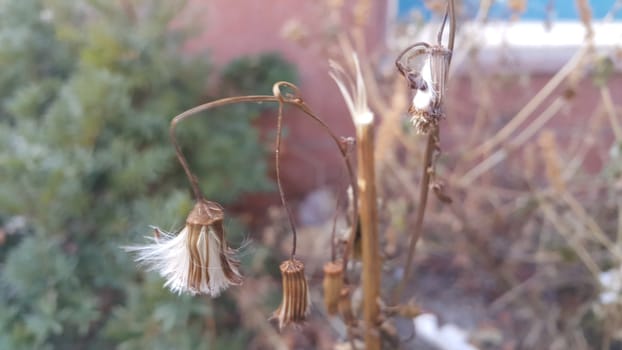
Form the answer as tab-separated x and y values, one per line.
424	120
296	301
332	283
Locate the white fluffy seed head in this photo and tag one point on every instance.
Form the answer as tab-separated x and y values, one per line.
193	261
353	91
424	99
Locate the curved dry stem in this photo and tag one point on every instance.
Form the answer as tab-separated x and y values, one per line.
292	99
276	90
451	11
439	35
194	182
343	149
502	153
398	61
452	32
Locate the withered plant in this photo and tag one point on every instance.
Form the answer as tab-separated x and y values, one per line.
198	260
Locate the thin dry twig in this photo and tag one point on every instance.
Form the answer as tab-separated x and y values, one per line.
423	199
369	232
611	113
566	232
531	106
276	90
501	154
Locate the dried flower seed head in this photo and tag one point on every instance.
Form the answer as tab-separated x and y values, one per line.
333	283
296	302
198	259
425	68
427	104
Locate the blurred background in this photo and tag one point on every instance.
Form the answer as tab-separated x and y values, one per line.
528	254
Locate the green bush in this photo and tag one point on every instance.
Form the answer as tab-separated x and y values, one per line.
87	90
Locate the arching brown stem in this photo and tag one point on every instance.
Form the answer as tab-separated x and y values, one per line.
294	100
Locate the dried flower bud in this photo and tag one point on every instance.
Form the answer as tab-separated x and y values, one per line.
426	75
296	302
197	260
333	283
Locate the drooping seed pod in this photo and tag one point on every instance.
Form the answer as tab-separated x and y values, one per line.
198	259
296	301
333	283
425	68
427	105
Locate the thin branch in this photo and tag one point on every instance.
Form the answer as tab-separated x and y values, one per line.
277	151
295	101
194	182
501	154
611	113
423	199
530	107
452	32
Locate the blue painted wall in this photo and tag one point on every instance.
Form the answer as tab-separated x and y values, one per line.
536	9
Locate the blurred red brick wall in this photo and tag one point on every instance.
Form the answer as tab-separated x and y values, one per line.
242	27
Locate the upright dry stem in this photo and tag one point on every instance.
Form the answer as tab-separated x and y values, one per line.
369	231
423	199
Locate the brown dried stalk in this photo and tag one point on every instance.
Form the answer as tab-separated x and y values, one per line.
369	232
423	199
431	145
355	96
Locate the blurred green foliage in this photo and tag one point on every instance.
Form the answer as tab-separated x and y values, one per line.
87	91
256	74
